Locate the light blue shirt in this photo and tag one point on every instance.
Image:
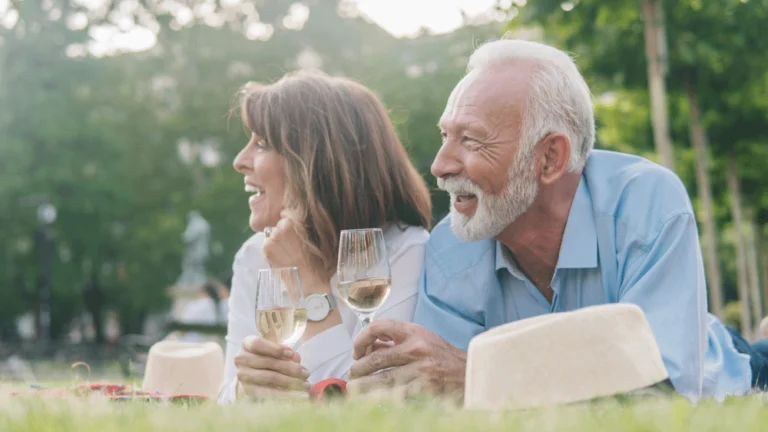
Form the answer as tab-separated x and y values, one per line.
631	237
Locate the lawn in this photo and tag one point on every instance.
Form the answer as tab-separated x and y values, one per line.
96	414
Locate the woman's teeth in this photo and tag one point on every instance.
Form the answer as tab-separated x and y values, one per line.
254	190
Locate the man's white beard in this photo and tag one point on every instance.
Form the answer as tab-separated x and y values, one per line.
494	212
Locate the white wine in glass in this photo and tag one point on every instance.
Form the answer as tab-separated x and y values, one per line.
281	312
363	271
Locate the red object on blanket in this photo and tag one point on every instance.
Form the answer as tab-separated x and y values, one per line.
116	392
328	389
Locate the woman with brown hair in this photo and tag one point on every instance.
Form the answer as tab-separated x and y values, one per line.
323	157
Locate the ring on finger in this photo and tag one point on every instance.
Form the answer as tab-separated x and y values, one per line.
268	231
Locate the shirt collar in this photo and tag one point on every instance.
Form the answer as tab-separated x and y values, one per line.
504	261
500	261
579	246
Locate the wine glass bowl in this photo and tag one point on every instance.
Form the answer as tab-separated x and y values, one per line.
363	271
281	310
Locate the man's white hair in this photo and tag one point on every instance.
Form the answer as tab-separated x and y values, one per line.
559	99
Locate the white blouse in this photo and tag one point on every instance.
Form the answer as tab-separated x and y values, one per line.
328	354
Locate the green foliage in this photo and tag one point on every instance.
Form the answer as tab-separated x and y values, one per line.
99	136
732	315
716	49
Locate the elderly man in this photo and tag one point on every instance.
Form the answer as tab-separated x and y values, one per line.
540	223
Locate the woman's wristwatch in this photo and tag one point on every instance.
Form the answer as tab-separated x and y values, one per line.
319	306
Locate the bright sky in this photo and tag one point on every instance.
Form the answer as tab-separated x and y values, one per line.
405	17
398	17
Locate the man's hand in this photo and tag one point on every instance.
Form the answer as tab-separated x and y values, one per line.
419	360
267	369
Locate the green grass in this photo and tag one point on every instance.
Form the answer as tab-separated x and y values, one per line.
95	414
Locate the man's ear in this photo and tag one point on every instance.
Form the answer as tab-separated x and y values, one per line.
554	151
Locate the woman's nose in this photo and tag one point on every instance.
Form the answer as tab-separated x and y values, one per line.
243	162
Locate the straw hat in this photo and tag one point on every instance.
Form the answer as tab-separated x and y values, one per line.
175	367
563	358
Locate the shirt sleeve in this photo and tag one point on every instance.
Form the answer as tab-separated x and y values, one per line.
665	277
440	316
727	371
241	317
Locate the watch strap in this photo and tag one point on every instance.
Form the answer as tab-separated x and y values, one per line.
331	301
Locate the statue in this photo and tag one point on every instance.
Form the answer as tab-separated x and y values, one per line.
196	238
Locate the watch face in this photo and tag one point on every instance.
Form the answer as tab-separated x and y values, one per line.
317	308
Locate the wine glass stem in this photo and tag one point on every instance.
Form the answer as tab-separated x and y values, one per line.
364	321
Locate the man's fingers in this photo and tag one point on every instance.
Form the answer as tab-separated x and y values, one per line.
379	329
261	346
378	345
268	378
380	359
385	379
288	367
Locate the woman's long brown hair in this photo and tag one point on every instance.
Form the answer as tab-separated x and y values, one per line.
345	166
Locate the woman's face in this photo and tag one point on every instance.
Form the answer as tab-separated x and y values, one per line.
264	171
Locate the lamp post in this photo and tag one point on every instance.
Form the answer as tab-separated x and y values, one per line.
46	215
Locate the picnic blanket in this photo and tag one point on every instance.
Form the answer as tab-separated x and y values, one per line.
112	391
322	390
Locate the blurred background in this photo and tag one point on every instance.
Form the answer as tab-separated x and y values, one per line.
115	125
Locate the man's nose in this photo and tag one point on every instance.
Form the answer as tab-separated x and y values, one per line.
447	162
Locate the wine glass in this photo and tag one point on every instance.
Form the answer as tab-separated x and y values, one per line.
281	311
363	271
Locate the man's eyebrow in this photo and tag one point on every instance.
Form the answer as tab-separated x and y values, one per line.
461	125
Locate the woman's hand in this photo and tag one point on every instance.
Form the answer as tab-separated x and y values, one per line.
286	246
267	369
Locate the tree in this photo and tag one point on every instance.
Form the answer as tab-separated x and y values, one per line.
706	51
40	82
125	144
719	70
655	54
735	196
